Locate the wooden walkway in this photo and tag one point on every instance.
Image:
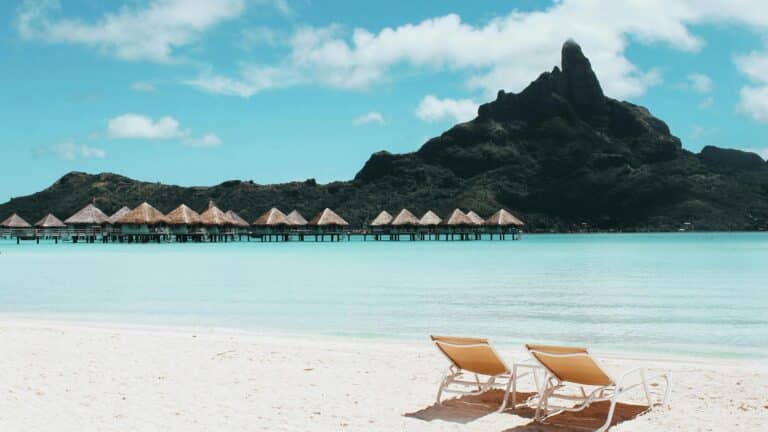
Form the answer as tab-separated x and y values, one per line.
259	235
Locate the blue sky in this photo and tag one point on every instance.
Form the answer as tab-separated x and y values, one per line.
280	90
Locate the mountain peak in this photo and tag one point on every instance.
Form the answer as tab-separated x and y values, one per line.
581	85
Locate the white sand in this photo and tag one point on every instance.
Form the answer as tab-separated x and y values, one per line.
62	377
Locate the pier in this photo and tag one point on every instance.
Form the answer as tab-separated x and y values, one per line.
145	224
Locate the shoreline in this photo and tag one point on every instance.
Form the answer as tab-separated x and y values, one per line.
80	376
41	321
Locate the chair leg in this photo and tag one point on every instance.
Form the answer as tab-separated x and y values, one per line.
506	395
645	389
607	423
443	384
667	391
543	399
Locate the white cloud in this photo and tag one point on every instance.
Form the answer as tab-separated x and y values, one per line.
753	98
206	141
367	118
253	79
754	102
70	150
699	83
143	86
151	32
137	126
754	65
433	109
505	52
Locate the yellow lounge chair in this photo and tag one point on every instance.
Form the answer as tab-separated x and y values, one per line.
476	357
567	365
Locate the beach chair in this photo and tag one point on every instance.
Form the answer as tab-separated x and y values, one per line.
568	367
475	358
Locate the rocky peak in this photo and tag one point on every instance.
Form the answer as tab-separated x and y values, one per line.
581	86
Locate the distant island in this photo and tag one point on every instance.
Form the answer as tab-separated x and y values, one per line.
560	154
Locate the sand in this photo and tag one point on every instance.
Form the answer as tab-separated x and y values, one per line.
63	376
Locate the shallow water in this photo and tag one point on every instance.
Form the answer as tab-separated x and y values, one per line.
689	293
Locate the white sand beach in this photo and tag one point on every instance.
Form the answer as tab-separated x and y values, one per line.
61	376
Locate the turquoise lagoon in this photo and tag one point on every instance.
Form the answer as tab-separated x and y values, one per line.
687	293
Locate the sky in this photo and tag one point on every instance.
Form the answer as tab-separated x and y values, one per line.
198	92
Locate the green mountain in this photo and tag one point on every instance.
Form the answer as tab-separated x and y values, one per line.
559	154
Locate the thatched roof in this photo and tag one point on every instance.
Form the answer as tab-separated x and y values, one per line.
405	217
183	215
295	218
458	217
15	221
328	218
118	214
237	220
88	215
50	221
272	217
430	218
384	218
503	218
214	216
144	214
475	218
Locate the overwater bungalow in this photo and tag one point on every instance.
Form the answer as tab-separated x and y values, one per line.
478	222
404	223
271	223
112	227
88	223
475	218
50	227
185	224
296	219
16	226
218	225
380	224
122	211
143	224
458	223
429	223
328	222
503	222
241	226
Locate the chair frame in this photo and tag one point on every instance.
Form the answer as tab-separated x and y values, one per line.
610	392
453	381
